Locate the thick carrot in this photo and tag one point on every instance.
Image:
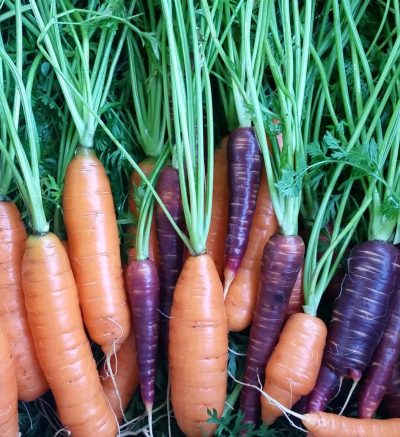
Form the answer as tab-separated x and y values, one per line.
216	239
8	390
30	379
62	348
120	387
293	368
171	246
244	169
242	293
281	262
144	296
198	347
94	250
333	425
296	300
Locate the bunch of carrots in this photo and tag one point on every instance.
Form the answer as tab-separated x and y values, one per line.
199	218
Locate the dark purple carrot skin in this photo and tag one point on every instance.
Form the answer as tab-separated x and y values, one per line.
380	370
244	170
326	387
361	311
171	247
280	265
144	296
391	401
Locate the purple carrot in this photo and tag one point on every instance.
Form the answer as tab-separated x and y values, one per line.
171	247
391	401
380	370
360	313
144	296
280	265
244	169
327	385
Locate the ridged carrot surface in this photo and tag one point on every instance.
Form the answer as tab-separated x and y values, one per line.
198	347
62	347
8	390
216	239
242	293
94	250
293	368
30	379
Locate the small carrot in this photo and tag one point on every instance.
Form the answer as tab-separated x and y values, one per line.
296	300
94	250
216	239
242	293
333	425
122	384
30	379
287	378
8	390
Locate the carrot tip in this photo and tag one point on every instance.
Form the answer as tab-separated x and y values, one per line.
229	277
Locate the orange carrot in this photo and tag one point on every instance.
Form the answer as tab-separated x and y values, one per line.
219	215
8	390
293	368
30	379
242	293
120	388
94	250
62	348
296	301
198	345
332	425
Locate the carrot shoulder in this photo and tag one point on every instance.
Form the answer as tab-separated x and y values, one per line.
30	379
198	346
62	348
94	250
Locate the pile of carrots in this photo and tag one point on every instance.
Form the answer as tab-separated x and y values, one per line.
199	218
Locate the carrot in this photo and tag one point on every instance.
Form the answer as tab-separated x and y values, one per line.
216	239
62	348
94	250
296	300
332	425
120	387
198	348
287	378
391	401
30	379
242	293
8	390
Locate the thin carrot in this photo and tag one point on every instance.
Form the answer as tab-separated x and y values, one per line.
94	250
242	293
198	346
219	215
296	300
8	390
30	379
122	384
62	348
332	425
287	377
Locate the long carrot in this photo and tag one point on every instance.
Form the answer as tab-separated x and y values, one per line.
30	380
242	293
219	216
332	425
122	384
287	378
94	250
62	348
8	390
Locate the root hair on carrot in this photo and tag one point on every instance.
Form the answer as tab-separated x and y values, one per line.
353	386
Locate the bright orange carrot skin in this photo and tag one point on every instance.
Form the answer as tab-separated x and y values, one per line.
332	425
126	377
30	379
62	348
293	368
8	390
220	210
242	293
94	250
198	346
296	300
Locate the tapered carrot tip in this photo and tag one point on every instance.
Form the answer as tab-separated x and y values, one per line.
229	276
